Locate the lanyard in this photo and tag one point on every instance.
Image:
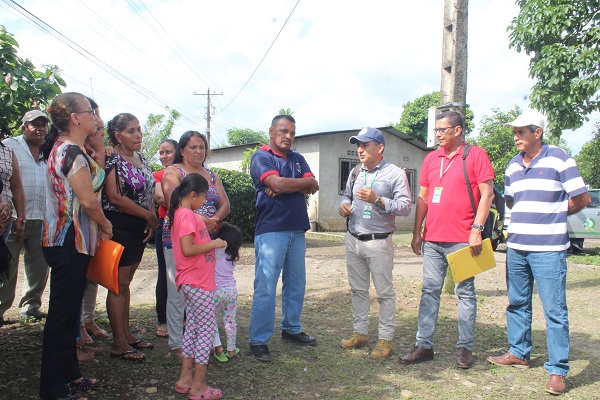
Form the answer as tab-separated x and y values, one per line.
375	177
442	167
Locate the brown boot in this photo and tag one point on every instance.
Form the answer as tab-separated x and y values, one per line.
417	355
508	360
464	359
556	384
355	340
382	349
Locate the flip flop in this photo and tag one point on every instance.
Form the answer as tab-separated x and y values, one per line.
162	333
95	330
209	394
126	356
141	345
84	383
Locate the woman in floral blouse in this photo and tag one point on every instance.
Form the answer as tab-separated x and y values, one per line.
73	225
128	202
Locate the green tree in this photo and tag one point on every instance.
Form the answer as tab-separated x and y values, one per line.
239	186
23	88
286	111
238	136
413	120
498	141
562	39
157	128
588	160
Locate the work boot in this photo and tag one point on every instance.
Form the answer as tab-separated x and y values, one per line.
355	340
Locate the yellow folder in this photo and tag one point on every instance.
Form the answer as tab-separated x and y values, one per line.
463	265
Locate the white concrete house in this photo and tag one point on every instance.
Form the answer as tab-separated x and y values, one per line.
331	158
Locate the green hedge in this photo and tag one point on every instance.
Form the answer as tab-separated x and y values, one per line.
242	200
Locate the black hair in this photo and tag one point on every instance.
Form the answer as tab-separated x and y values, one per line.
118	124
234	238
173	142
454	118
60	110
93	103
190	183
280	116
183	141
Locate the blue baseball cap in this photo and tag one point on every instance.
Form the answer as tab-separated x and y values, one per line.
368	134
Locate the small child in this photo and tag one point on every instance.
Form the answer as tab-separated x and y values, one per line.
226	294
194	254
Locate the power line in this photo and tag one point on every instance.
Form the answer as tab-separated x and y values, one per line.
263	58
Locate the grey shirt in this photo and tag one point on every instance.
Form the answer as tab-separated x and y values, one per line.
389	182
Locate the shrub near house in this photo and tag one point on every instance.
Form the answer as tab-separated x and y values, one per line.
242	200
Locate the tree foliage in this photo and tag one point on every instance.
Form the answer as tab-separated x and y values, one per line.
562	37
22	88
498	141
242	196
588	160
286	111
413	120
238	136
157	128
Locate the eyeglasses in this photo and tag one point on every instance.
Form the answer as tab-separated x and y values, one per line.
92	111
443	130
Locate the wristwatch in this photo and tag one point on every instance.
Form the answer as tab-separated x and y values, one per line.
20	219
378	202
479	227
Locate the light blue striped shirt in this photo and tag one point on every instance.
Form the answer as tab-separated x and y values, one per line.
541	195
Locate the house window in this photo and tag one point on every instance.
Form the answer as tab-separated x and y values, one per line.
411	174
346	165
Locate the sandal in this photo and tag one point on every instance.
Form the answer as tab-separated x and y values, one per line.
182	390
84	383
141	345
230	356
162	333
130	355
222	357
209	394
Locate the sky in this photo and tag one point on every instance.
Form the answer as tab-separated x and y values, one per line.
337	64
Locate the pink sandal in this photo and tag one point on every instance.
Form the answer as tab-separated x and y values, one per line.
182	390
209	394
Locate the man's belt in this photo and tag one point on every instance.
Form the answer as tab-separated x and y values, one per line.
370	236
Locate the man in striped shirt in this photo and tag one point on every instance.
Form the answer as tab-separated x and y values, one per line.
542	187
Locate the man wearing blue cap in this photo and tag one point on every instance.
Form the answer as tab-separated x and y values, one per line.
371	201
450	226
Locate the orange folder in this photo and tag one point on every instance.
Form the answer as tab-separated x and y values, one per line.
104	266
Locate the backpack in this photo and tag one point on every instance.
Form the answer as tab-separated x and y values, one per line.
493	225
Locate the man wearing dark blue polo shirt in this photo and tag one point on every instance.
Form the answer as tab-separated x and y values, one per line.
281	178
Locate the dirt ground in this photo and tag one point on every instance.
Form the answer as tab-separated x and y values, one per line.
327	315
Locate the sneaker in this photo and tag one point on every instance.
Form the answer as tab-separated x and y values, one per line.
301	337
34	313
261	352
382	349
355	340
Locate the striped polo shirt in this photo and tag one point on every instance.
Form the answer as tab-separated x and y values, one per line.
541	195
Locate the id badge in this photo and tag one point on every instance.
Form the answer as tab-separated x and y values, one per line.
368	211
437	195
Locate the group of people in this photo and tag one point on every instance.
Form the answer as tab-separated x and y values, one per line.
74	192
542	186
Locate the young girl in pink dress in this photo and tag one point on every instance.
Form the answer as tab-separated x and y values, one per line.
194	254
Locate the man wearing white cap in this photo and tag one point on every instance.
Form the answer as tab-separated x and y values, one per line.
542	187
372	199
33	175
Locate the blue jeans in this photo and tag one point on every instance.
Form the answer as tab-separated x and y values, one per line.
549	270
435	266
276	252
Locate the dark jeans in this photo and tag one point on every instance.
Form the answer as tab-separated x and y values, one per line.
67	284
161	280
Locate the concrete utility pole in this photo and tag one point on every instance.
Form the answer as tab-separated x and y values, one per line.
208	94
453	89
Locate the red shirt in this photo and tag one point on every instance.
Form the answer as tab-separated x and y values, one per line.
450	219
162	210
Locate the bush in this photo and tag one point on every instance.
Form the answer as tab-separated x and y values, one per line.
242	200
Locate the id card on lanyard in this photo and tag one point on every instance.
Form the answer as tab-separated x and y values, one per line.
437	192
368	210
